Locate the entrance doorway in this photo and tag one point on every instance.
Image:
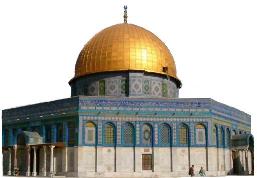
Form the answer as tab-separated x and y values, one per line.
147	162
236	163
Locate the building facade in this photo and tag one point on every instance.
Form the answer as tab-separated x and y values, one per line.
125	119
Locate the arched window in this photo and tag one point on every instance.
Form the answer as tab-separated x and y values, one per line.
165	134
147	135
90	133
128	134
183	134
221	137
59	127
102	87
228	138
200	134
214	135
48	136
109	134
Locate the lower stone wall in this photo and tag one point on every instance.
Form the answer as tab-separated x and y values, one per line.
198	158
126	164
127	161
88	161
180	159
212	159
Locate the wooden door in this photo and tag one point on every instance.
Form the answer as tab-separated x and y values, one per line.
147	162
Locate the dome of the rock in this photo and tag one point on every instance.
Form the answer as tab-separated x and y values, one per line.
124	47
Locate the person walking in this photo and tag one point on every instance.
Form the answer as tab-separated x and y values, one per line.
202	172
191	171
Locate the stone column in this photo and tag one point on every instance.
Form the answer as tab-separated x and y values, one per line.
65	160
243	161
34	173
246	162
14	159
51	160
28	161
44	161
10	162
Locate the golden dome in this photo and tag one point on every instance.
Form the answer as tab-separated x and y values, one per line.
124	47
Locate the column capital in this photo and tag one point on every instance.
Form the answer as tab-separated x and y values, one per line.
52	146
14	146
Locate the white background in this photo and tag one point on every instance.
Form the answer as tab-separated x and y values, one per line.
214	44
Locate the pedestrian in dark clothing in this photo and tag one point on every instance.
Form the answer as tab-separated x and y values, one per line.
191	171
202	172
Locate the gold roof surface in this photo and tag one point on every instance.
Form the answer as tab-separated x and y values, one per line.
125	47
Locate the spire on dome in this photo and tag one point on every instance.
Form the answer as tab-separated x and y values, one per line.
125	16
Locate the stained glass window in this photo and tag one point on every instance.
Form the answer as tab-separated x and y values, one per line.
48	134
146	85
102	87
164	134
183	134
164	89
124	86
109	134
59	132
214	135
128	133
90	136
71	133
228	138
147	135
221	137
200	134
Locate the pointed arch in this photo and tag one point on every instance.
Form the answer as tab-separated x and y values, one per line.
147	134
109	134
90	133
221	137
215	135
228	137
128	134
201	136
165	134
184	134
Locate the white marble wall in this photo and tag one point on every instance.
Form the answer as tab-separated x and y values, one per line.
125	163
212	159
198	157
180	158
120	162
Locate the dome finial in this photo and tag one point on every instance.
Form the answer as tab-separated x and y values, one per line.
125	16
